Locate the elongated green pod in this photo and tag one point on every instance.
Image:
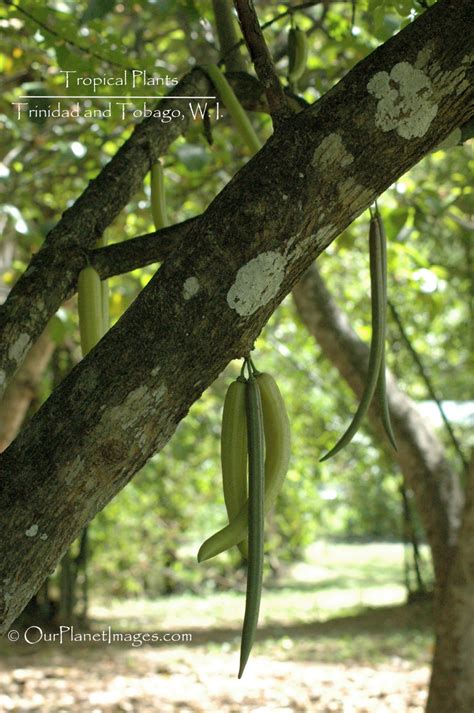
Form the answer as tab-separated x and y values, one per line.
234	107
381	391
277	457
297	53
90	308
234	452
256	460
377	341
276	426
158	197
230	535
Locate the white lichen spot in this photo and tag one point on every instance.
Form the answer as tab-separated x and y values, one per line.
353	193
32	531
128	417
284	197
405	100
43	536
423	57
190	287
19	347
319	239
256	283
300	175
453	139
156	370
330	152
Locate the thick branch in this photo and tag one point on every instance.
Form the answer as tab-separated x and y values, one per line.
210	299
436	485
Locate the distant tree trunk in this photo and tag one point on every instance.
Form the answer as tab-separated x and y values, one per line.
452	675
23	389
66	589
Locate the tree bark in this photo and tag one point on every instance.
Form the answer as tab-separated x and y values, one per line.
210	299
436	485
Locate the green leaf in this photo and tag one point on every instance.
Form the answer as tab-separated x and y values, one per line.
96	10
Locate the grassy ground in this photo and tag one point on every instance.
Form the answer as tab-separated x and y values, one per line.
334	635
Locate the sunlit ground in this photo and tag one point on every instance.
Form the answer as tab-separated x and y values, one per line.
334	635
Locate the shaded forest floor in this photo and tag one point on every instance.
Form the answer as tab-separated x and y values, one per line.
314	652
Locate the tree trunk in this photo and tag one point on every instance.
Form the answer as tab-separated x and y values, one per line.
210	299
23	389
452	675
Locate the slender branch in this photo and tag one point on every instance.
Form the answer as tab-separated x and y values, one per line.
428	383
262	61
286	13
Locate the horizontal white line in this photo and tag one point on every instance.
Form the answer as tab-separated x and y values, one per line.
95	96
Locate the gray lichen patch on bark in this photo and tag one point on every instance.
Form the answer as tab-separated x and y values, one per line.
256	283
405	100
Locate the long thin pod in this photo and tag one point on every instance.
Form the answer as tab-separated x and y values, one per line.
381	390
256	451
377	341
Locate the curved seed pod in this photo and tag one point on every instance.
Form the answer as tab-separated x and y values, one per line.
234	452
297	53
381	385
277	456
377	341
256	451
230	535
89	300
158	198
277	437
234	107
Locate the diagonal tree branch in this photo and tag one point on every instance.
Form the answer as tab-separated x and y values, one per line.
210	299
